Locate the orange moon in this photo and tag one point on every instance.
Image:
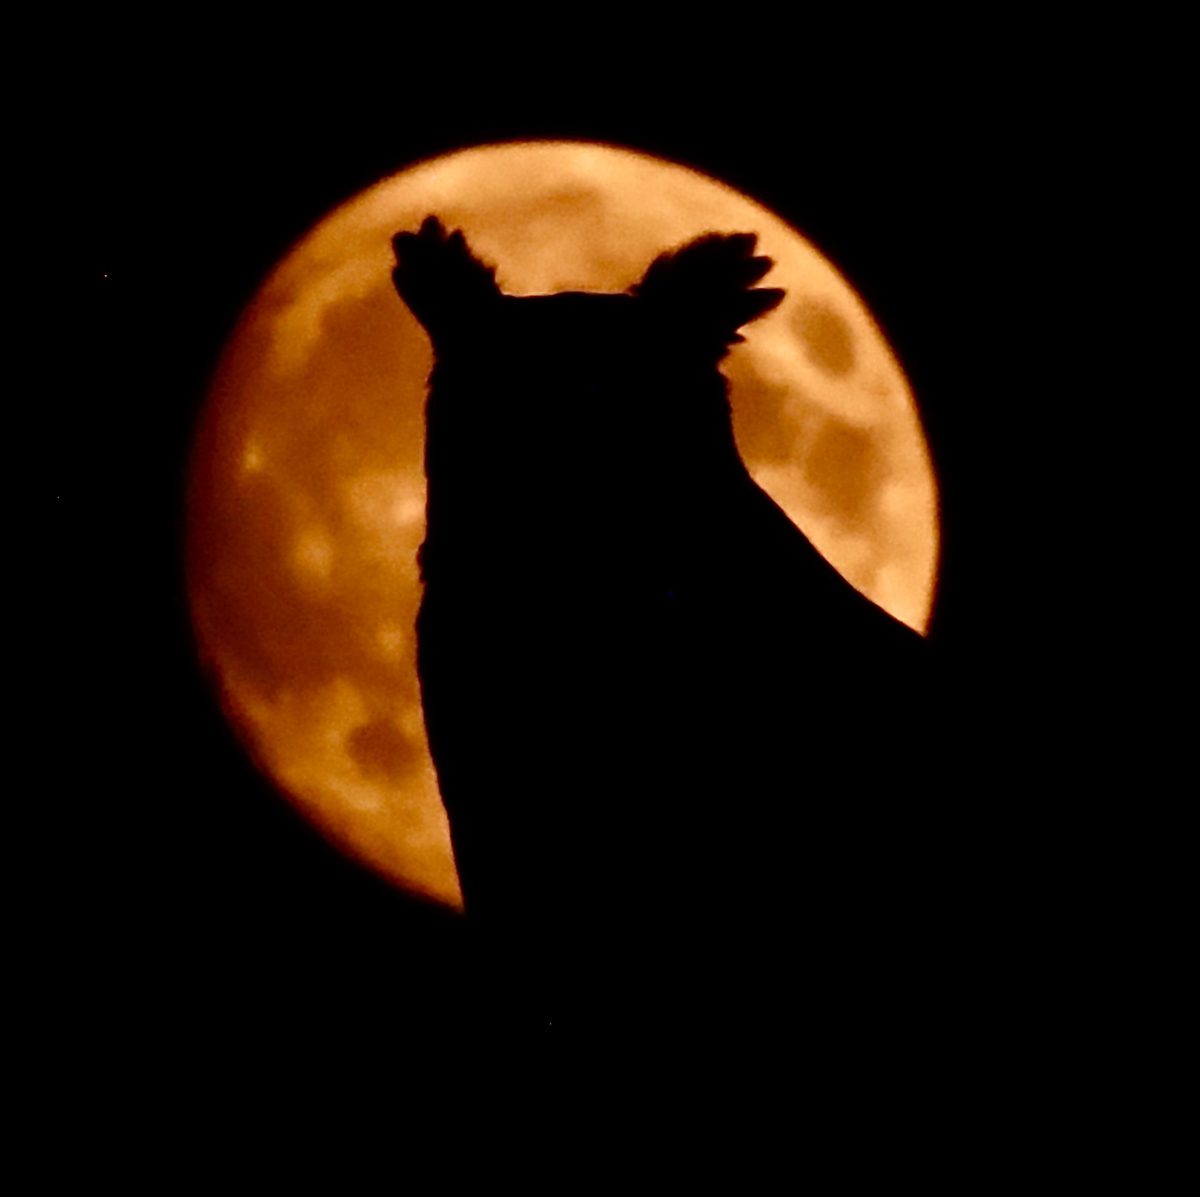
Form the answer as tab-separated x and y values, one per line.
307	501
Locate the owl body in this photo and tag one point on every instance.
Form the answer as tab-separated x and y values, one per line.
651	703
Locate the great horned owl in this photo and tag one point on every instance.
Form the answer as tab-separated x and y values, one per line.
661	720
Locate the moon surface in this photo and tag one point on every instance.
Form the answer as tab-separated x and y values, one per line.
307	500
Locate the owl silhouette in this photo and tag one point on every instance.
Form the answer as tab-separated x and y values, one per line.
672	741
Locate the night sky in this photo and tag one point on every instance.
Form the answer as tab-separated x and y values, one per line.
189	915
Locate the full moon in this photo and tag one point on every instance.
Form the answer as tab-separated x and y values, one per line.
307	494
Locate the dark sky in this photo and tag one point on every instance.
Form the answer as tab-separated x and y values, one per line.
189	911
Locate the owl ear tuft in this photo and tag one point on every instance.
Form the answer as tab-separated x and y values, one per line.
707	287
438	276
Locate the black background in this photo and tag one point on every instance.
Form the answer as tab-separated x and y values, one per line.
191	915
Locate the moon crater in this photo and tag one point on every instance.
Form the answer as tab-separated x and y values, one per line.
826	336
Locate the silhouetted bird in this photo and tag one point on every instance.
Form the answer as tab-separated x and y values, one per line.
677	750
